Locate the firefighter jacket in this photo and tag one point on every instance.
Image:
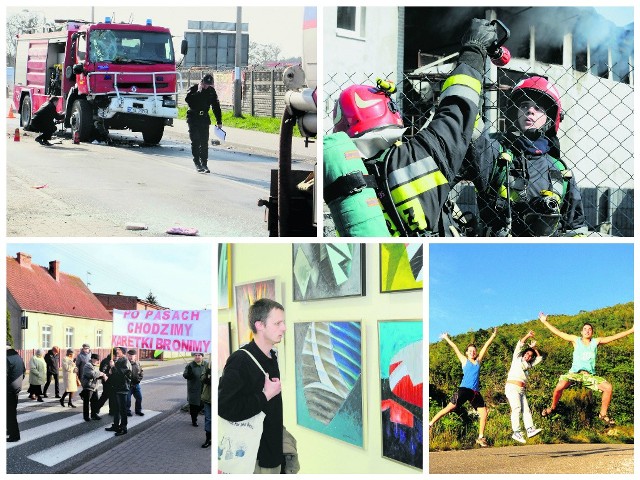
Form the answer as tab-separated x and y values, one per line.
544	199
199	103
418	172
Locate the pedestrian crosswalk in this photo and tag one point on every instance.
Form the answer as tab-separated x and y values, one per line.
38	420
63	451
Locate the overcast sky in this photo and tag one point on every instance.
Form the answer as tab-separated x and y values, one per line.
281	26
483	286
179	274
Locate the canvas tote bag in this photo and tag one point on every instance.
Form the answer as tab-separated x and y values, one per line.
238	442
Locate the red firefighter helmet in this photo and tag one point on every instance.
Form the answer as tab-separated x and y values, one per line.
540	90
362	108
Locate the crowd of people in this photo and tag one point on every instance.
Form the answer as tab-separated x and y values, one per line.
120	374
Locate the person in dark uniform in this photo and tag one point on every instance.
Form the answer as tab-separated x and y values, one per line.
200	98
15	375
44	121
52	359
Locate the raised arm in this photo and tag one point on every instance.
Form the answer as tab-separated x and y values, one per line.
461	357
617	336
483	351
554	330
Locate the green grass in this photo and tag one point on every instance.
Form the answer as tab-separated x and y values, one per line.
246	122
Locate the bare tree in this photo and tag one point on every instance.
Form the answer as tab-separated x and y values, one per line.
260	53
23	22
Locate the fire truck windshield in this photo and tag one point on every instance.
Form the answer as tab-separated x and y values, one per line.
128	46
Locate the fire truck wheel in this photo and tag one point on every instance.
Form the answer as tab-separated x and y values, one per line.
81	120
153	131
25	113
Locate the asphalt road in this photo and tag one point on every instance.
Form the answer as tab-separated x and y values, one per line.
536	459
49	430
97	190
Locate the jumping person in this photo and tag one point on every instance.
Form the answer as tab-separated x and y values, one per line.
469	389
583	367
515	388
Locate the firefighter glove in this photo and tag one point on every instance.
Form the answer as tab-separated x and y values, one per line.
480	33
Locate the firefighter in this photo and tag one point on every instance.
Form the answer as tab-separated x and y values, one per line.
541	197
44	121
200	98
411	176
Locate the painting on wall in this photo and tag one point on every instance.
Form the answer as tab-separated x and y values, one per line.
224	345
246	295
401	266
328	270
224	276
328	368
400	354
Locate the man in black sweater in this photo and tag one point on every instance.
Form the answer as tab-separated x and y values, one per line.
44	121
15	375
244	391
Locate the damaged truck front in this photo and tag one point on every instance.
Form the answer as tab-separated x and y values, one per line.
109	76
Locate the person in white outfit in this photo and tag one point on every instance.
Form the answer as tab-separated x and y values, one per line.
515	388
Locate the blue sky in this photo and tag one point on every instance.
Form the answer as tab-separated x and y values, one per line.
480	286
178	274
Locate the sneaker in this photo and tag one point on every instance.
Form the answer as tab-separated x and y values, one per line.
206	170
140	413
533	431
518	437
482	442
46	143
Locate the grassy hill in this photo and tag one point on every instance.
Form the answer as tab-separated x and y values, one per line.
576	418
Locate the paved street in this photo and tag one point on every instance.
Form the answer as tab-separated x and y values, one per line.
98	190
56	439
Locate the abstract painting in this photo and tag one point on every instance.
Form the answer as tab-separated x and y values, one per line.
401	267
224	345
224	276
400	350
246	295
328	364
327	270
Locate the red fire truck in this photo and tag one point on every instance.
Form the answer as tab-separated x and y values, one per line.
107	75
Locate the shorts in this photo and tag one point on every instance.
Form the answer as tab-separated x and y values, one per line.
466	394
585	378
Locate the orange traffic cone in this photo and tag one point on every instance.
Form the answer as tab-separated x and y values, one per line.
16	135
10	114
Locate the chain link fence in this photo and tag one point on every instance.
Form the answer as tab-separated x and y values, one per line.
595	135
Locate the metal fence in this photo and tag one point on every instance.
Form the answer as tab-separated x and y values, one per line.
595	136
262	90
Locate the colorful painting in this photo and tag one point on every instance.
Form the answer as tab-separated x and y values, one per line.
224	276
400	344
246	295
329	394
327	270
401	267
224	345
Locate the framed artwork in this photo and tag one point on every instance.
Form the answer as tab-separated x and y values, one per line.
224	345
401	380
401	267
328	368
224	276
246	295
328	270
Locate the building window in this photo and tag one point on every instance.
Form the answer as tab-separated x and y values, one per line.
68	337
98	338
351	20
46	336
